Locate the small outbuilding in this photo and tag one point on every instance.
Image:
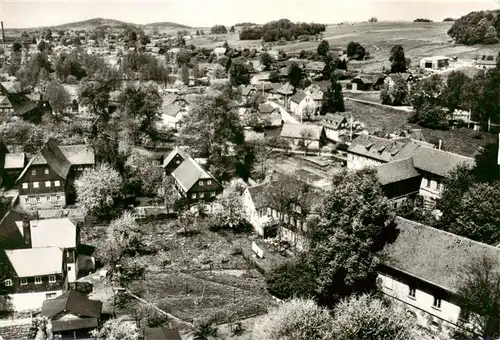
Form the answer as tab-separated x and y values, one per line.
437	62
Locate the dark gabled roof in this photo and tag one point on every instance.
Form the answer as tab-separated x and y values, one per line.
189	172
439	162
266	108
385	150
245	90
433	255
51	155
298	97
72	302
74	324
259	195
21	104
161	333
10	235
333	120
396	171
176	151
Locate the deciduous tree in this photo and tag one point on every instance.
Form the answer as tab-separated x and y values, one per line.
295	75
267	60
398	59
295	319
98	188
333	99
116	329
238	73
146	171
323	48
58	97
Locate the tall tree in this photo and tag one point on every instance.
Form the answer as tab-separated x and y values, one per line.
354	223
323	48
295	75
185	74
239	74
58	97
95	94
458	91
333	99
479	297
267	60
428	99
398	59
140	108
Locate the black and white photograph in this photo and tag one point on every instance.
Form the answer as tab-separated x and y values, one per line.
250	170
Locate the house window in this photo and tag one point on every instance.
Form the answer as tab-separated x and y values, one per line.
47	184
49	296
428	185
38	280
57	183
25	185
38	199
35	185
437	302
24	281
201	183
26	199
33	172
193	195
52	279
212	194
412	291
58	198
48	198
177	162
438	185
47	171
209	182
8	282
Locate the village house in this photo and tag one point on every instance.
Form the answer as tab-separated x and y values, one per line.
312	136
367	150
486	64
434	165
40	258
72	314
335	125
48	177
400	180
285	91
174	159
219	51
248	90
264	215
270	115
303	105
423	269
435	63
361	83
314	68
11	165
195	183
15	104
391	78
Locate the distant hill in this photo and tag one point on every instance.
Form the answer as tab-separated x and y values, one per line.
96	22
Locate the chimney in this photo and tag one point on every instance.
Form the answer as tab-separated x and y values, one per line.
27	231
440	144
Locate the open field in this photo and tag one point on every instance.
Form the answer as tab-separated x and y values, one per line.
418	40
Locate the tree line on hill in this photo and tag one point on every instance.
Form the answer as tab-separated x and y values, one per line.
281	29
422	20
477	28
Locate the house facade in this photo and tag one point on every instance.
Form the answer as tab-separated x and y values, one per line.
335	126
48	177
174	159
312	136
195	183
437	62
302	104
423	270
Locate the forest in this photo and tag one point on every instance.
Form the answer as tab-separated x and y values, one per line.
281	29
477	28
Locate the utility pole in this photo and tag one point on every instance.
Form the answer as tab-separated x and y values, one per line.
350	130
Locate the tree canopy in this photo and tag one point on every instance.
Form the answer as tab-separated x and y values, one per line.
476	28
398	59
281	29
356	51
58	97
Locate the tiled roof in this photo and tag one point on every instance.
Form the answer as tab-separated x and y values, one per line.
298	97
245	90
12	86
79	154
295	130
36	261
54	232
396	171
14	160
72	302
286	89
266	108
189	172
52	155
385	150
171	155
315	66
259	195
161	333
433	255
439	162
333	120
10	236
172	110
74	324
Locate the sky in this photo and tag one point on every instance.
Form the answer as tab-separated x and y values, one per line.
206	13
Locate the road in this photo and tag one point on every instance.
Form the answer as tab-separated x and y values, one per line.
285	116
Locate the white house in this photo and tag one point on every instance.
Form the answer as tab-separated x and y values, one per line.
423	269
335	125
436	62
312	136
302	104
